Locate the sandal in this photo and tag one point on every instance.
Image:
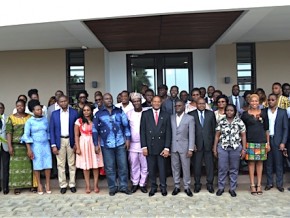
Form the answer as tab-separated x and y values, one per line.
17	191
253	192
259	192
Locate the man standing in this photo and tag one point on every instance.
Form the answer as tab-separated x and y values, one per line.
155	142
278	131
282	101
209	99
62	141
125	103
235	99
286	90
205	124
162	92
138	162
169	103
149	94
112	127
182	146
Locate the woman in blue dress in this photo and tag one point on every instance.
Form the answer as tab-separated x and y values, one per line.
36	137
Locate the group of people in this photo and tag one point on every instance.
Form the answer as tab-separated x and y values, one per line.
147	135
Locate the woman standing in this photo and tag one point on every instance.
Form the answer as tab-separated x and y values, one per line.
257	124
20	165
82	98
5	157
230	132
38	149
88	156
222	101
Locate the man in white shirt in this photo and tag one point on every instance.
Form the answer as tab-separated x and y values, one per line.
125	103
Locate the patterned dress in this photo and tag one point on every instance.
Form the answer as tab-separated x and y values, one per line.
20	169
36	134
88	159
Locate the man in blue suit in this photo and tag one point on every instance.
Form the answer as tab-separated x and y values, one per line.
278	131
63	142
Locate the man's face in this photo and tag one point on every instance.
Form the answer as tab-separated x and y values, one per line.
184	96
195	95
179	107
235	90
143	89
108	100
286	91
156	103
34	97
99	100
58	94
210	91
63	102
276	89
125	98
137	103
202	93
149	96
173	92
272	101
162	92
200	104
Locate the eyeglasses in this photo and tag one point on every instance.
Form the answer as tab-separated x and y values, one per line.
82	97
99	99
221	102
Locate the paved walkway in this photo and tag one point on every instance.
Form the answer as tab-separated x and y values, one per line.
271	204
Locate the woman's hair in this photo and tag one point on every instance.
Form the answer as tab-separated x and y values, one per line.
82	92
84	120
224	97
234	107
254	96
247	92
262	98
20	100
52	98
32	92
32	104
24	96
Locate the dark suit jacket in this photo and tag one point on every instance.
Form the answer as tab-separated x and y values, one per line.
281	127
204	136
155	138
55	127
241	101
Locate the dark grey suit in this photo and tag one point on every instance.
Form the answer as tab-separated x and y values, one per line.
155	138
204	139
183	140
275	156
241	102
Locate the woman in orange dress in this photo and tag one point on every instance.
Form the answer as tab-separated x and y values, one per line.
88	156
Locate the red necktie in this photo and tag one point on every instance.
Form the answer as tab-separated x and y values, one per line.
156	118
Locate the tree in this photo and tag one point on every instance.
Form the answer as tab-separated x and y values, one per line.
139	78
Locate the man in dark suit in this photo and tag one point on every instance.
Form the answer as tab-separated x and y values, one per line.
155	132
278	131
235	99
63	142
182	147
205	124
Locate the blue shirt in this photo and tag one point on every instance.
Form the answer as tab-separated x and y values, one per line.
113	128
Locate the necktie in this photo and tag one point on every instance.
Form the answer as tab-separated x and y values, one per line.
201	118
1	123
236	103
156	118
173	107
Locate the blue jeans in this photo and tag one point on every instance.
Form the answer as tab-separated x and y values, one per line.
116	157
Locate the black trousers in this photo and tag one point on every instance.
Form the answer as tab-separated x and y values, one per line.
5	161
157	162
207	156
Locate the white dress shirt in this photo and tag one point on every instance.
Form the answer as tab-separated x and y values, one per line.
272	119
64	122
178	119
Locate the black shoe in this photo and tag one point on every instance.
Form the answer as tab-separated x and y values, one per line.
281	189
163	192
152	192
0	189
196	189
210	189
73	189
112	193
143	189
5	191
268	187
175	191
134	188
233	193
188	192
63	190
219	192
126	191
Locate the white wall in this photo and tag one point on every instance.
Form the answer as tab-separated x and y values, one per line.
203	68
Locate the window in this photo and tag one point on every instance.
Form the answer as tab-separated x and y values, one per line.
75	73
155	69
246	66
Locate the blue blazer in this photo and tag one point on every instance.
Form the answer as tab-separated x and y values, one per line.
55	127
281	127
